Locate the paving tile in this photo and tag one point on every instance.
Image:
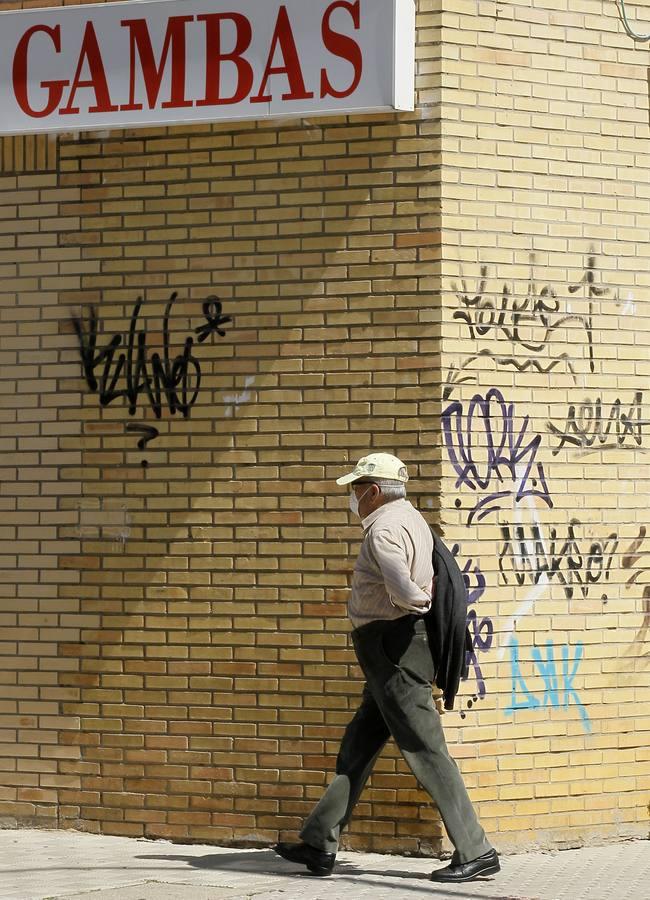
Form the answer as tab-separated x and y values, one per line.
68	865
148	889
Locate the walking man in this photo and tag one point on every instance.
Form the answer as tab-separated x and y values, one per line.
391	590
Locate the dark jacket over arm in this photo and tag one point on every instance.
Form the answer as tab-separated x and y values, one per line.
446	622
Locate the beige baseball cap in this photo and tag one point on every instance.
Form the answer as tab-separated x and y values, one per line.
376	465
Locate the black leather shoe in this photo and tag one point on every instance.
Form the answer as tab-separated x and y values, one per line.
317	861
457	872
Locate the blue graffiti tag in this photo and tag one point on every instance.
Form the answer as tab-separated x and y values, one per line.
554	695
487	451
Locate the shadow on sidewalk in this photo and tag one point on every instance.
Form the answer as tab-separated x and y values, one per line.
266	862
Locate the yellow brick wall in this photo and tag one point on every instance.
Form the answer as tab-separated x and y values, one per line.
174	657
546	410
175	652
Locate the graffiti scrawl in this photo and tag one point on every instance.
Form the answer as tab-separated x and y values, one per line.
556	693
163	379
587	426
491	453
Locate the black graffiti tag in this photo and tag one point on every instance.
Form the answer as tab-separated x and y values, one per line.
531	554
164	379
585	425
528	321
588	281
462	373
632	557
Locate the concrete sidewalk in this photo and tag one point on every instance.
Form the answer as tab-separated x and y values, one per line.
69	865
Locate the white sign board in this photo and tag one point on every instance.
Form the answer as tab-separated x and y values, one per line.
162	62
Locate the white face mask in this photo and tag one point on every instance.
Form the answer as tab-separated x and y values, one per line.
354	503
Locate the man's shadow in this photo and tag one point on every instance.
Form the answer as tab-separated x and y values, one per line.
252	862
267	863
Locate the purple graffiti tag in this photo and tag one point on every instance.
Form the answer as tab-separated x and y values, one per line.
482	631
484	448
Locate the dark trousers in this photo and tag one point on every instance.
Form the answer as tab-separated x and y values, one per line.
397	700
